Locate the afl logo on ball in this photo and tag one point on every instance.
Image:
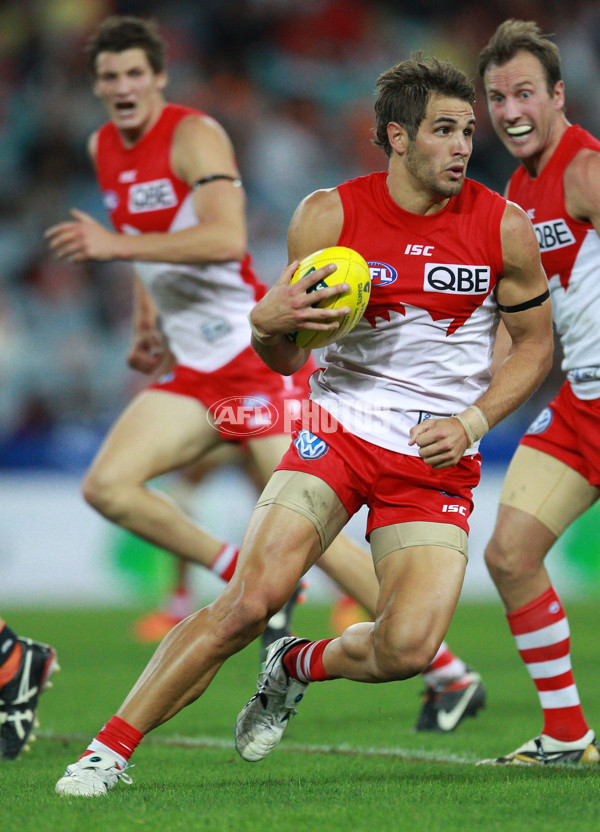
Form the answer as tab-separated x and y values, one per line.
310	446
541	423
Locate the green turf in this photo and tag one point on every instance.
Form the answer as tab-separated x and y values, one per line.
349	761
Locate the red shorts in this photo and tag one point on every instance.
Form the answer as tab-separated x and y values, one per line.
569	430
397	488
245	398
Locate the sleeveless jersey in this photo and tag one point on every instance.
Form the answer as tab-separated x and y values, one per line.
423	348
203	308
570	255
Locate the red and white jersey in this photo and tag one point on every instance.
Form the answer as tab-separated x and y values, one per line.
424	346
203	308
570	255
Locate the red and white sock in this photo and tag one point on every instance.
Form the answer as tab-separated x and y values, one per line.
224	563
445	668
118	738
305	661
542	636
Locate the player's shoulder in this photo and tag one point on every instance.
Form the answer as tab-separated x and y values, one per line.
577	136
477	190
320	204
189	118
92	145
196	126
579	151
200	147
519	242
108	129
317	222
515	220
583	170
582	185
480	204
105	136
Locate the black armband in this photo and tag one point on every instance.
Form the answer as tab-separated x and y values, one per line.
521	307
205	180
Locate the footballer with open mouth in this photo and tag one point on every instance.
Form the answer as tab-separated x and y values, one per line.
517	94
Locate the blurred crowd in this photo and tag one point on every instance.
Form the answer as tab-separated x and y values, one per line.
292	82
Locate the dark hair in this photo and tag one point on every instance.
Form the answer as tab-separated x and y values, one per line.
515	36
405	89
120	32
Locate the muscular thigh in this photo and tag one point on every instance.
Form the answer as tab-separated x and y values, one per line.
157	433
547	489
279	546
309	497
419	589
417	534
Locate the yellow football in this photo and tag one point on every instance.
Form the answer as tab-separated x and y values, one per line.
351	269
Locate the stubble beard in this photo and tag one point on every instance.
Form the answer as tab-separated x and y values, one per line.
424	173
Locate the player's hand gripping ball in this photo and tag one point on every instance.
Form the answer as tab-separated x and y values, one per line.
351	269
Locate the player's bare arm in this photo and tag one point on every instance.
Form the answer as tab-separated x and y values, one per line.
200	150
582	188
525	309
149	349
316	224
526	312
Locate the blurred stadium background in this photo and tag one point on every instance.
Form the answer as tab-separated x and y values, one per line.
292	82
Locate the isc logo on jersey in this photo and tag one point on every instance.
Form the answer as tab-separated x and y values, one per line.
151	196
457	279
553	234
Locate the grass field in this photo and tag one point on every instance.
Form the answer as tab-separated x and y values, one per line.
350	761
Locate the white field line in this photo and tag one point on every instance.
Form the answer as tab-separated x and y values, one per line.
409	754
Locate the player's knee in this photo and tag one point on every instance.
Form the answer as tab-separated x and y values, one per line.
252	612
503	559
493	556
103	495
240	613
401	660
91	491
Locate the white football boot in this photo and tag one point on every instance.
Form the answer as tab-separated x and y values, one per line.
92	776
545	750
261	724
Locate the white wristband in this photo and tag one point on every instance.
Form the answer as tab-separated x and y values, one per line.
483	418
474	422
261	337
